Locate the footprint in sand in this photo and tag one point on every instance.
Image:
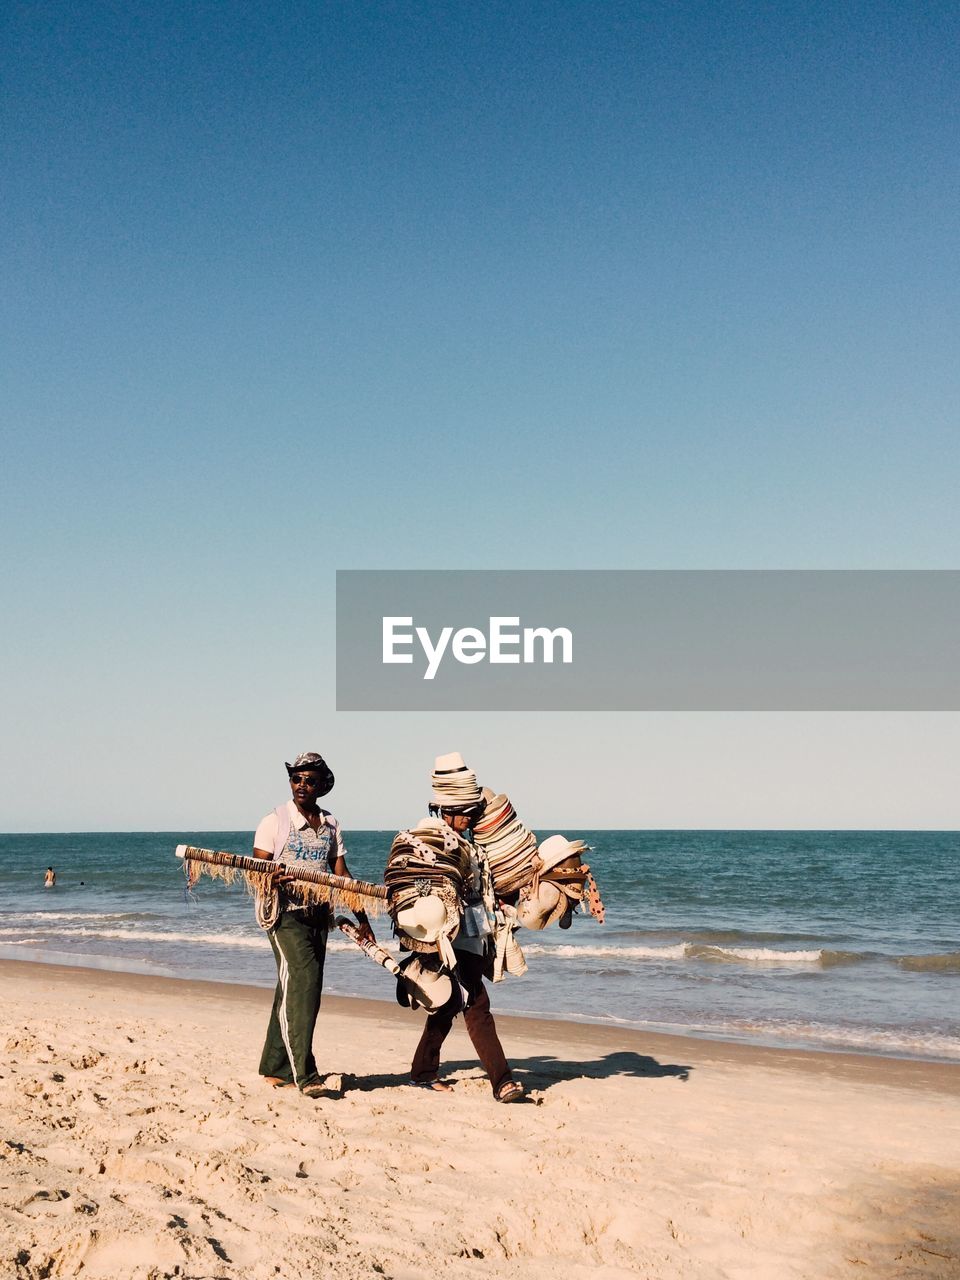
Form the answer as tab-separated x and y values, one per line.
45	1202
86	1060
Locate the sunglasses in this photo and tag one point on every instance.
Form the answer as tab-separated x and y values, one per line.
306	777
472	811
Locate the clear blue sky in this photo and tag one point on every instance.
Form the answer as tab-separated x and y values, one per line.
293	287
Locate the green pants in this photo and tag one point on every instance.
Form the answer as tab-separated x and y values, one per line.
299	942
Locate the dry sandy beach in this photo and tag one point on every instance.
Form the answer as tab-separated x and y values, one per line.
137	1141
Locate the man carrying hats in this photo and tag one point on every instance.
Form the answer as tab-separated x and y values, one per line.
298	829
458	801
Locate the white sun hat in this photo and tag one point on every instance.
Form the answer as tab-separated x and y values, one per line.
425	919
452	762
542	908
425	986
556	849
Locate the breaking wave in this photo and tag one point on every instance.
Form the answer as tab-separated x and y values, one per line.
760	957
946	963
913	1043
254	941
710	953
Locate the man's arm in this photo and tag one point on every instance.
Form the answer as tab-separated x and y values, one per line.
263	842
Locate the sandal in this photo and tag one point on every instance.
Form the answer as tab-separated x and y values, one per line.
437	1086
510	1091
318	1090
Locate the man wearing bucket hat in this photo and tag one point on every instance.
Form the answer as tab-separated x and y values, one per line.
298	829
458	801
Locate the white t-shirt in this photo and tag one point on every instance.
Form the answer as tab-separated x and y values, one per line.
267	831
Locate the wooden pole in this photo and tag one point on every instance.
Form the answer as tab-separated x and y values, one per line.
296	870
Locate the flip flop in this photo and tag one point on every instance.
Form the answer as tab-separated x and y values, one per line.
510	1091
435	1086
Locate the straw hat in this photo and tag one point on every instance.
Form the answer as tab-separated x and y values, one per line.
438	825
556	849
420	927
424	985
557	885
510	847
454	785
425	875
543	908
561	860
425	919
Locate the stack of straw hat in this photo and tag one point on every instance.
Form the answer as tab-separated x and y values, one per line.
556	888
425	877
454	785
510	847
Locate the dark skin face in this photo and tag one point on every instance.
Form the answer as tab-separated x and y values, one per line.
304	786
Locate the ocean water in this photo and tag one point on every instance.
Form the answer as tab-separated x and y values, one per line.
816	939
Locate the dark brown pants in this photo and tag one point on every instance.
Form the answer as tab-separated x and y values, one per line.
480	1027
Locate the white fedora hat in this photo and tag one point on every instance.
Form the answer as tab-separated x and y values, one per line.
425	919
556	849
549	904
425	986
452	762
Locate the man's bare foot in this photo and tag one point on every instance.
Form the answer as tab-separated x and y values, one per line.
276	1081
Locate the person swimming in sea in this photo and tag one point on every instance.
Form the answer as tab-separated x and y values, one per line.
50	878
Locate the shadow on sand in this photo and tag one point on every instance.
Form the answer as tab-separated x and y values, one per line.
544	1070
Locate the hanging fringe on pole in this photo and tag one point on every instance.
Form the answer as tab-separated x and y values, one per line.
312	883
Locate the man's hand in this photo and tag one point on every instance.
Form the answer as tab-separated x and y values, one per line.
277	877
275	874
364	930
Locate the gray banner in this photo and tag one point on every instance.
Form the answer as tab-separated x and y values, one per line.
648	640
